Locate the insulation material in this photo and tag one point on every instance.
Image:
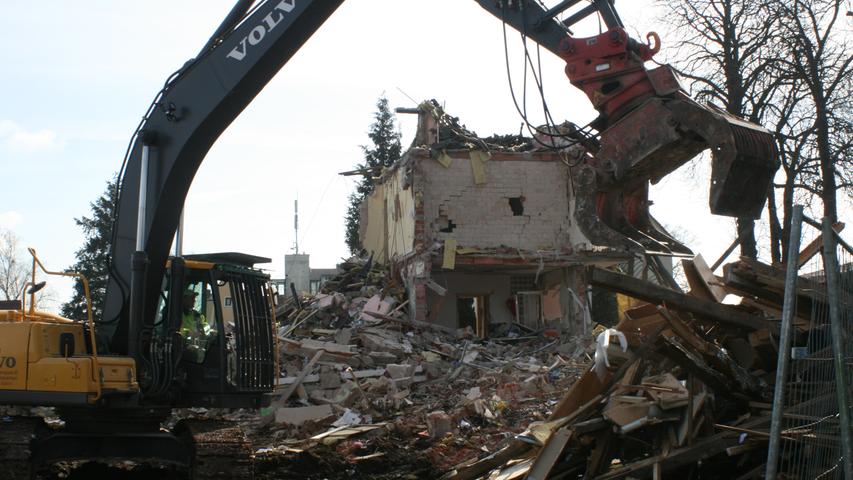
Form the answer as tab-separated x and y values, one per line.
389	231
449	262
373	236
445	160
400	210
478	166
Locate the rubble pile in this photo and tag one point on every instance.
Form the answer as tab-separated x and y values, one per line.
681	388
363	388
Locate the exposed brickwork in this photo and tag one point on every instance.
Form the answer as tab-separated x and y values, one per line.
481	215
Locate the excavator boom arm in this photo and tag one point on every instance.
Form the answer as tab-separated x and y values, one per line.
194	108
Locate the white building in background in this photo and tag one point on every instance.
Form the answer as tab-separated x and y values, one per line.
298	271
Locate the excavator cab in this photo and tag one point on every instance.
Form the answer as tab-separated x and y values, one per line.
212	343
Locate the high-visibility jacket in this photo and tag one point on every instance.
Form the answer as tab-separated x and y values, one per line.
194	322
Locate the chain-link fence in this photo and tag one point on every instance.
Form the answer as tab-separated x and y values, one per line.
810	438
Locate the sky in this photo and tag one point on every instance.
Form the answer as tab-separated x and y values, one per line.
79	75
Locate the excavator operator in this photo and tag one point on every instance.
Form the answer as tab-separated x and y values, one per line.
194	328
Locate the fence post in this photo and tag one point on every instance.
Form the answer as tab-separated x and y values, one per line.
789	308
833	293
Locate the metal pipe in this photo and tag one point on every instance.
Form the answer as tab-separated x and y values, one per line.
179	237
833	293
138	260
90	317
789	308
141	214
838	239
32	293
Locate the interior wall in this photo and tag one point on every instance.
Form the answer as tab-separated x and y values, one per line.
496	286
388	219
400	215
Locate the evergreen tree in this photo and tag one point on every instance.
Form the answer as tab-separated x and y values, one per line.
93	256
384	151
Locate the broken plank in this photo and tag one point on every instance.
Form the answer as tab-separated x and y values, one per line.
513	472
266	419
549	454
703	283
515	449
343	432
815	246
652	293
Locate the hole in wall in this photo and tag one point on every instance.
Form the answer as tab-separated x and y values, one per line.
449	228
516	204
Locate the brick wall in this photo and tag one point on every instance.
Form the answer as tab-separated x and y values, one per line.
481	215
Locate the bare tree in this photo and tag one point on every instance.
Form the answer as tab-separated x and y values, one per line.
792	119
13	271
784	64
724	50
818	51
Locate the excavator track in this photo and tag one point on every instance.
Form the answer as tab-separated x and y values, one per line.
16	435
220	450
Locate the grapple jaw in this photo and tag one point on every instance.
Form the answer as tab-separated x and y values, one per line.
743	168
664	133
660	135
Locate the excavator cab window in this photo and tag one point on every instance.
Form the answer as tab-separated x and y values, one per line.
198	325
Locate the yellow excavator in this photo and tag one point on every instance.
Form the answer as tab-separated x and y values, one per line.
114	380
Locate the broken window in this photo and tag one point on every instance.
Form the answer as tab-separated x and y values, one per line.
528	310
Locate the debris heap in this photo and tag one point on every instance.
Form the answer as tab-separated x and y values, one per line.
366	391
681	387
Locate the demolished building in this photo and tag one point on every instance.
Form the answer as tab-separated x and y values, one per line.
486	233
